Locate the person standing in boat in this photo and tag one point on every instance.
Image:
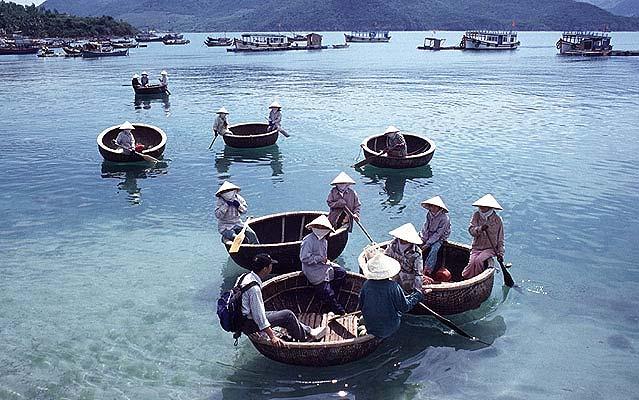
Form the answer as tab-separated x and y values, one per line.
487	230
221	124
395	142
135	81
125	139
405	249
382	299
275	118
145	79
228	208
257	319
164	79
435	231
342	201
325	276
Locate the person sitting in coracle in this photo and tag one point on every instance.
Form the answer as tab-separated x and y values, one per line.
228	208
395	142
221	124
381	299
405	249
164	78
256	318
325	276
125	139
435	231
487	230
135	81
343	201
145	79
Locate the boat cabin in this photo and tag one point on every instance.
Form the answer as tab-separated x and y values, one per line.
584	43
489	40
310	41
264	39
431	43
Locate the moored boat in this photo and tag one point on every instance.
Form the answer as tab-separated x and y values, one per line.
584	44
457	296
150	36
435	44
180	41
489	40
218	41
152	137
367	36
341	344
281	235
252	134
95	50
420	152
256	42
72	51
18	50
340	46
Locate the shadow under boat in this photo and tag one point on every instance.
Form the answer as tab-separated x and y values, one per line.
393	181
129	173
145	101
261	155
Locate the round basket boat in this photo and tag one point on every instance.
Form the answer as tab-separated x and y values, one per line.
420	152
153	90
458	295
341	344
281	237
152	137
254	134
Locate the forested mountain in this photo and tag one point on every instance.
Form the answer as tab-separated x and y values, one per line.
36	22
337	15
619	7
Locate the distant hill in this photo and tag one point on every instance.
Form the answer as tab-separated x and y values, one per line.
627	8
36	22
343	15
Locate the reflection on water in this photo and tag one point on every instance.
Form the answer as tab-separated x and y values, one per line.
145	101
393	181
129	173
260	156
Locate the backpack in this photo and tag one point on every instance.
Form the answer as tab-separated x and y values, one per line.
229	307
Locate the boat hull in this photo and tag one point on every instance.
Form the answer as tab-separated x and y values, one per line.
18	50
420	152
155	90
473	44
358	39
250	135
281	237
97	54
151	136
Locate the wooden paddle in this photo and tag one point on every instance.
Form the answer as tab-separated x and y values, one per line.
359	224
508	279
213	141
237	242
147	157
365	161
450	324
280	130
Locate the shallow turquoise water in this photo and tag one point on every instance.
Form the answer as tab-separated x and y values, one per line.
109	276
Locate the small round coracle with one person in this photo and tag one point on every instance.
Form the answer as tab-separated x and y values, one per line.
405	248
325	276
257	319
343	202
487	230
229	207
395	142
434	233
125	141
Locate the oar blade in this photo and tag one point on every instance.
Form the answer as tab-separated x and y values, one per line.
361	163
508	279
237	242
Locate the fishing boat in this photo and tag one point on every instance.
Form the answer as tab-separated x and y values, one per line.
489	40
281	237
152	90
435	44
150	36
124	43
12	49
96	49
170	42
340	46
341	344
454	297
251	134
152	137
367	36
218	41
46	52
251	42
584	44
420	152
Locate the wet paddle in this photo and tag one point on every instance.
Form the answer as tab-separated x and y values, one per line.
237	242
508	279
359	224
282	131
365	161
213	141
147	157
451	325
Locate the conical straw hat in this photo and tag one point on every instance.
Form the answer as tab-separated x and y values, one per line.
391	129
435	201
144	73
342	177
488	201
163	73
226	186
126	126
275	104
408	233
222	111
320	222
136	76
381	267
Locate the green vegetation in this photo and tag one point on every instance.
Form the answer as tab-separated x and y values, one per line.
36	22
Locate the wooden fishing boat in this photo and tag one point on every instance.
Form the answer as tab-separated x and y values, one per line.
218	41
584	44
252	134
18	50
152	137
281	237
340	46
367	36
180	41
420	152
489	40
341	344
72	51
152	90
458	295
104	53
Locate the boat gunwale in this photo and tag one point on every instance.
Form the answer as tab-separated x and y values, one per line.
114	127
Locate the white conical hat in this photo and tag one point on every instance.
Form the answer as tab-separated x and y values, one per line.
488	201
144	73
342	177
126	126
136	76
408	233
222	111
435	201
320	222
391	129
275	104
226	186
381	267
163	73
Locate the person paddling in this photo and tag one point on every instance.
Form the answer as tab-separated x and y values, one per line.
275	118
228	208
125	139
487	230
405	249
164	79
135	81
221	124
342	201
145	79
395	142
